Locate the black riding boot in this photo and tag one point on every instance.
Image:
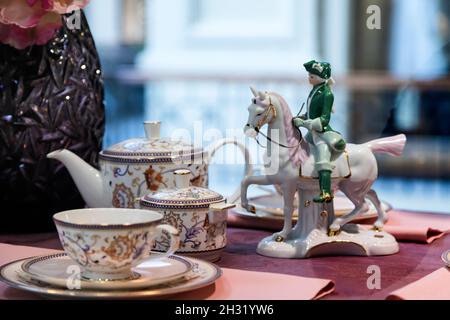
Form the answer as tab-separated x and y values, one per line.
325	187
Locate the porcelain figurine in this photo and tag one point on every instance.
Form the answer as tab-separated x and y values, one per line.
135	167
352	169
199	215
325	143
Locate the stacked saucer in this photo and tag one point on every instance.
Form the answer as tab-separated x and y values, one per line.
58	275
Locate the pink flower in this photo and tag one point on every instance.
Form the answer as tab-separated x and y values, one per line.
66	6
27	22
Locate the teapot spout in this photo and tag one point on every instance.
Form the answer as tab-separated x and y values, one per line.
87	179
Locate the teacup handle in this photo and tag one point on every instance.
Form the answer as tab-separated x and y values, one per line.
174	241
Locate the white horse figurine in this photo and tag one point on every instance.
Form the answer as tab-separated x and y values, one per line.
355	172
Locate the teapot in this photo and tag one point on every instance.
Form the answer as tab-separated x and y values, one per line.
134	167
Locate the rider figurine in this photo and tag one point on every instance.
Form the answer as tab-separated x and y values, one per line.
327	144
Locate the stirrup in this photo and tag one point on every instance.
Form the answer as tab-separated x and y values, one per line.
333	233
324	197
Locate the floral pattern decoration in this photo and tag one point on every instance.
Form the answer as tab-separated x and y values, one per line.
128	182
94	251
201	179
153	178
196	232
121	248
123	196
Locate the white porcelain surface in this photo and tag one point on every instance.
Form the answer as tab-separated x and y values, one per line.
199	214
317	243
54	270
152	129
310	235
202	274
270	207
197	234
118	184
107	216
136	148
292	169
107	242
136	167
182	195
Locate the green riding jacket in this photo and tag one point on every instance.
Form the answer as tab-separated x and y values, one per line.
320	107
321	104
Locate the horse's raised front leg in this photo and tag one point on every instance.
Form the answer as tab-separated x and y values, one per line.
259	180
289	190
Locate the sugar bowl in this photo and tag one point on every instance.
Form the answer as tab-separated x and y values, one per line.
199	215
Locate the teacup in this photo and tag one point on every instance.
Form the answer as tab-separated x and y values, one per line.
108	242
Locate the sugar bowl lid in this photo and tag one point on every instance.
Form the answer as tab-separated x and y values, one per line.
152	149
183	196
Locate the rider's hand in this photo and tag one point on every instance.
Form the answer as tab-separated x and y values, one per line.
307	124
298	122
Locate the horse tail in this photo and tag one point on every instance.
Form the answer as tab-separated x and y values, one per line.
393	145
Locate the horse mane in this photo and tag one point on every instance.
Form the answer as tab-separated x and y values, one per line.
293	138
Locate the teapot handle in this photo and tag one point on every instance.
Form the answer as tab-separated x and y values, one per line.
211	151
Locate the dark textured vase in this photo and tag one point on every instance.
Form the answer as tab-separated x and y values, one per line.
51	97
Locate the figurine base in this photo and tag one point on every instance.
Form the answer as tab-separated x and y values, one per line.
353	240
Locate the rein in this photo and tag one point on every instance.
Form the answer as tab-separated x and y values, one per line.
263	120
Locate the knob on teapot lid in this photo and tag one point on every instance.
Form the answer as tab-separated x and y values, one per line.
152	129
182	178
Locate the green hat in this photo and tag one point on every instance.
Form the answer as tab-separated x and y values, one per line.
321	69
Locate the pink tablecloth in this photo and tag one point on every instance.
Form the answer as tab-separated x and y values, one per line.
233	285
417	226
435	286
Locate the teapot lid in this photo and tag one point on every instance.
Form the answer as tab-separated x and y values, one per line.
152	149
183	196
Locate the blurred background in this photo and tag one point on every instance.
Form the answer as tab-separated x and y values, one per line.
190	63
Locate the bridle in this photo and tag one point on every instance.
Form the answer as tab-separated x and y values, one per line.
271	109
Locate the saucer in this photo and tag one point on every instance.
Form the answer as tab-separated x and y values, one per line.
202	274
271	207
59	270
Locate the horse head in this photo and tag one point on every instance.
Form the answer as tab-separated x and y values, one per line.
264	109
260	112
